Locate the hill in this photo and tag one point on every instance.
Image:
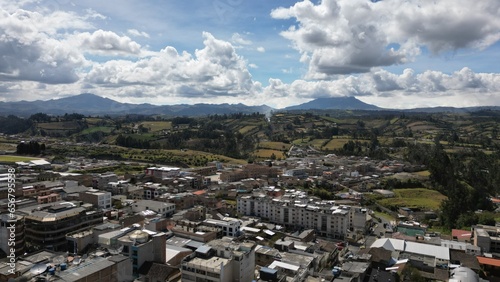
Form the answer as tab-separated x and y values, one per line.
91	104
334	103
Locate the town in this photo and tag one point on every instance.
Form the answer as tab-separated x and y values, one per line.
293	211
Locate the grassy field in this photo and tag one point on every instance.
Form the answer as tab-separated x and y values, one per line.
336	143
274	145
63	125
105	129
318	143
13	159
155	126
267	153
414	198
246	129
8	146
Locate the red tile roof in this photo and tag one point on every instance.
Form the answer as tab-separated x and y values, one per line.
489	261
461	234
199	192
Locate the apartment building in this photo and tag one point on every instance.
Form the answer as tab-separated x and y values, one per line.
101	181
221	260
162	208
229	226
46	225
325	217
487	238
98	199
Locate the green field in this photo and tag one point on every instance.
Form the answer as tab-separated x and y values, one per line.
318	143
267	153
13	159
247	128
414	198
336	143
275	145
62	125
105	129
155	126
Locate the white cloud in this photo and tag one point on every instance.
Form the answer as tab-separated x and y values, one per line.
215	70
261	49
430	88
238	39
108	43
135	32
253	66
353	36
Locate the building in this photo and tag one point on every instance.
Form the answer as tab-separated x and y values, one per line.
12	234
143	245
423	255
101	181
162	172
487	238
47	225
296	211
162	208
99	199
220	260
229	226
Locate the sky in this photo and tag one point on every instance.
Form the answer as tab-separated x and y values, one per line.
390	53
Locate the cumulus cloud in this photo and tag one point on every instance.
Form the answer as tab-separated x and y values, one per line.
108	42
261	49
30	51
215	70
353	36
430	88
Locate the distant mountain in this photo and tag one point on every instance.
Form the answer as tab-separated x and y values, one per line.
334	103
90	104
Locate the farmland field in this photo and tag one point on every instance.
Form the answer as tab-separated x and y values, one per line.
414	198
13	159
157	125
274	145
267	153
62	125
336	143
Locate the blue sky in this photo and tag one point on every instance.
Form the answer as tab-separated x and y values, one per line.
398	54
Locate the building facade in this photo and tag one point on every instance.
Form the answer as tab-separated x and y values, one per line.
47	225
326	218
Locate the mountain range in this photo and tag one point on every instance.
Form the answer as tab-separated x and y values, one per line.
91	104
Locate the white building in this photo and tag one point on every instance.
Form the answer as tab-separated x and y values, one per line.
99	199
229	226
221	260
325	217
163	172
430	255
162	208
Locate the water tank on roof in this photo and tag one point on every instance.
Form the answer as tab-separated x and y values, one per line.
139	236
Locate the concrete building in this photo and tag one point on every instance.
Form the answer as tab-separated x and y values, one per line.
220	260
487	238
143	245
326	218
101	181
99	199
47	225
12	234
229	226
162	208
162	172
